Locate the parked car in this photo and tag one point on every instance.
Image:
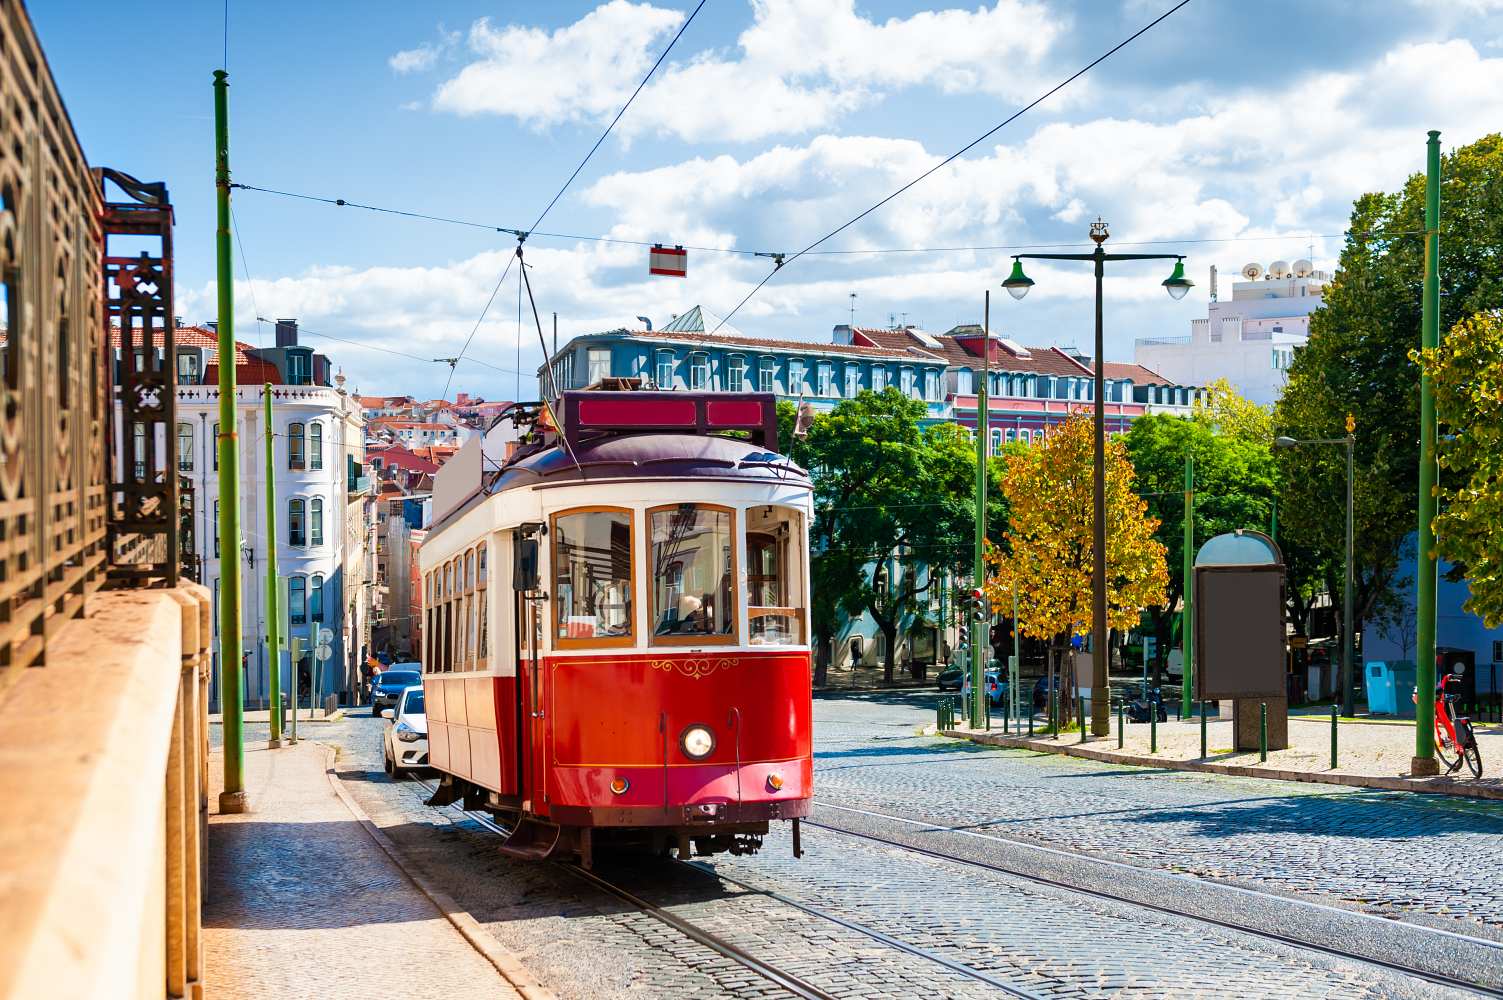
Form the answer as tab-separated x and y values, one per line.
951	679
996	687
405	741
390	683
1041	691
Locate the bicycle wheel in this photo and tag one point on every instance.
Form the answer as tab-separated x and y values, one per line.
1445	747
1473	760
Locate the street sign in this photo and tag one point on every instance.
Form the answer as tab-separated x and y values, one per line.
323	652
671	261
325	636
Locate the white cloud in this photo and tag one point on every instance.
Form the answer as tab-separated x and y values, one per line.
424	56
798	68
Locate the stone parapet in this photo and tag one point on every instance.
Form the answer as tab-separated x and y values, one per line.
103	761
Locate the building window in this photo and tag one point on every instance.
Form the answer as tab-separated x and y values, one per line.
185	447
316	598
295	531
295	435
796	378
852	381
216	529
1010	436
187	367
297	368
315	446
692	597
824	379
996	440
592	578
879	378
735	373
664	376
316	521
297	600
599	361
216	607
905	381
765	376
214	446
931	385
699	370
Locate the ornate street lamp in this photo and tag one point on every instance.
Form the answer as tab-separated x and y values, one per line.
1017	285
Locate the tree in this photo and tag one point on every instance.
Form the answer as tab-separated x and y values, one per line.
892	508
1358	361
1234	485
1467	370
1047	549
1226	410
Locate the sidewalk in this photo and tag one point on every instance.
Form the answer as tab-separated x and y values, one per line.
302	902
264	715
1371	755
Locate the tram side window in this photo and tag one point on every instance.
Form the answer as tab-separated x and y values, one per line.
774	576
592	578
692	568
482	642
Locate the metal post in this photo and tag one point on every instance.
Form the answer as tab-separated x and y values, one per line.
231	687
1015	665
1187	622
1121	722
1424	762
1348	688
1100	637
1202	730
1153	727
1007	712
1030	717
1263	731
294	653
1333	737
273	616
1080	712
1053	709
980	642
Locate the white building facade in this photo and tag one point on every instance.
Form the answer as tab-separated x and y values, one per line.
324	531
1250	339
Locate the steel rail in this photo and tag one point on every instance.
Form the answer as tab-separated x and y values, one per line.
788	981
1438	978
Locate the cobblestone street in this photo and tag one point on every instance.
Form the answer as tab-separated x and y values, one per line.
831	918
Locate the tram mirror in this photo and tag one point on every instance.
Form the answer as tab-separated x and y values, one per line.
524	563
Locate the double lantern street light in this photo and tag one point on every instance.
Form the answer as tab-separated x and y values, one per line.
1017	285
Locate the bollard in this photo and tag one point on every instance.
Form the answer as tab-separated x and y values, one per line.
1153	728
1007	715
1053	713
1080	711
1263	732
1333	735
1202	730
1030	717
1121	722
986	707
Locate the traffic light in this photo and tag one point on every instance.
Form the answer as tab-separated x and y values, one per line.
979	607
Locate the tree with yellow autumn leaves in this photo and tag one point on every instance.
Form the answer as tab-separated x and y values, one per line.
1047	548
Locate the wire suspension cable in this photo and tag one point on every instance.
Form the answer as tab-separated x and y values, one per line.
682	28
454	363
957	154
547	401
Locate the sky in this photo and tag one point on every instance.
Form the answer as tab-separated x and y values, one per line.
1230	132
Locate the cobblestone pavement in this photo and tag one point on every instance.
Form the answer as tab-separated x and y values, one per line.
1428	858
302	903
1052	942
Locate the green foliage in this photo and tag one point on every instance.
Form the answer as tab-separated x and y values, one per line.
1467	371
1358	362
889	494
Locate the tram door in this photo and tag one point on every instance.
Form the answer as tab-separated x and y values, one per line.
531	698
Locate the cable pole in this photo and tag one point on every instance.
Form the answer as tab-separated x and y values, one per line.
231	678
1187	619
273	616
1424	762
981	637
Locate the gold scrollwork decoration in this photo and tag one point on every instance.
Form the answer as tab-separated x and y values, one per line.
697	666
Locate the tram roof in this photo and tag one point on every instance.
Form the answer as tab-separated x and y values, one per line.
651	456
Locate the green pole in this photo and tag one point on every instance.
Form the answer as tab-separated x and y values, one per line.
980	641
1015	668
1333	736
1187	624
1424	762
1273	520
231	688
273	616
1263	732
294	653
1202	730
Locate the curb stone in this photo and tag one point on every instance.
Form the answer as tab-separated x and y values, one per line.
511	969
1428	786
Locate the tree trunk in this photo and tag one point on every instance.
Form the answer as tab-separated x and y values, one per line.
889	661
822	661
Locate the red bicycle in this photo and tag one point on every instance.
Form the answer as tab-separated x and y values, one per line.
1455	743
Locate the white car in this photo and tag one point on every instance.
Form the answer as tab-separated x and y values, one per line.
404	744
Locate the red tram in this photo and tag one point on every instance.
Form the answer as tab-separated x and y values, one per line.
615	626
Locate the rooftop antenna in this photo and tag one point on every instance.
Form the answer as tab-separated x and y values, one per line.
905	319
853	310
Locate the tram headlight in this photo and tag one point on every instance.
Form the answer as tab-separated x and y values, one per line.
697	742
619	786
775	781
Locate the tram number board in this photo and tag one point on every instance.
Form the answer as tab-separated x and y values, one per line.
651	412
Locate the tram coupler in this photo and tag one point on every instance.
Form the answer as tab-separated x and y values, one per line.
798	840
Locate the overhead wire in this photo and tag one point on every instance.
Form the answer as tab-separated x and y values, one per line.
781	262
454	362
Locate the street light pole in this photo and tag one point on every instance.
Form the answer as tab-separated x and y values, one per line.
981	624
1017	285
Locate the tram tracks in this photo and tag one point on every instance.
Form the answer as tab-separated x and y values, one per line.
792	982
1459	951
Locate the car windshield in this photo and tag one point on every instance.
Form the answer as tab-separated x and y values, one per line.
414	703
398	678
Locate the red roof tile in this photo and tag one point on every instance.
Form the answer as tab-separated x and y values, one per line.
1138	374
1040	360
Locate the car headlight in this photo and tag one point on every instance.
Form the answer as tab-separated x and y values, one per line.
697	742
407	734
